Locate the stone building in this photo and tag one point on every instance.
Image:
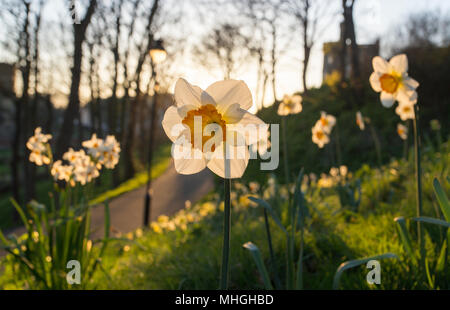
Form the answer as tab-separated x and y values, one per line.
332	60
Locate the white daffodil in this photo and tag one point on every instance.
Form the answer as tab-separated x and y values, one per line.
109	152
319	136
39	158
61	172
392	80
85	170
223	105
290	105
37	144
343	170
254	187
326	121
360	120
402	131
405	110
334	172
93	146
73	157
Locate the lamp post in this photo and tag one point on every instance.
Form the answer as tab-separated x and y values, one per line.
157	54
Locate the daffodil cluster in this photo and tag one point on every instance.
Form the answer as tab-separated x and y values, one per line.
106	152
183	218
81	166
290	105
322	129
40	153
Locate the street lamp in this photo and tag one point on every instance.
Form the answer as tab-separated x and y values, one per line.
157	54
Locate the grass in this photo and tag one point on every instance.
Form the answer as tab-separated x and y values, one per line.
161	161
181	256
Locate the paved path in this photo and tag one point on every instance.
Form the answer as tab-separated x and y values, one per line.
170	192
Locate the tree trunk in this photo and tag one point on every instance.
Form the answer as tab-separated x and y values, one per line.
274	61
130	135
26	72
306	46
73	109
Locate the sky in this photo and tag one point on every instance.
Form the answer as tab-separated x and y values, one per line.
373	18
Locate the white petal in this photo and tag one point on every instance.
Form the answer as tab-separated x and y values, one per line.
187	94
183	110
171	119
297	99
229	168
387	100
207	99
195	162
283	110
379	64
250	127
233	114
375	81
227	92
410	83
399	63
405	95
250	118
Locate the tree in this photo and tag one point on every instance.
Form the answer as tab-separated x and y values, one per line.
312	19
143	55
73	109
348	38
224	48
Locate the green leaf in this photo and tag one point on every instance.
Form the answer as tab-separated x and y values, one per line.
355	263
431	220
442	199
440	265
406	240
21	213
259	263
267	206
429	276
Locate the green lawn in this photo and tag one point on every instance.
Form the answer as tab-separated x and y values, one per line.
188	257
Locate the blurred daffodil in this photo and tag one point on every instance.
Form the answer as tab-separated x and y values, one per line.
343	170
93	145
254	187
109	152
326	121
405	110
319	136
224	105
392	80
360	120
402	131
62	172
37	144
290	105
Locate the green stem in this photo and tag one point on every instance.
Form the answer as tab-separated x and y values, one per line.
376	142
338	146
418	180
226	235
290	262
300	260
285	150
272	256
